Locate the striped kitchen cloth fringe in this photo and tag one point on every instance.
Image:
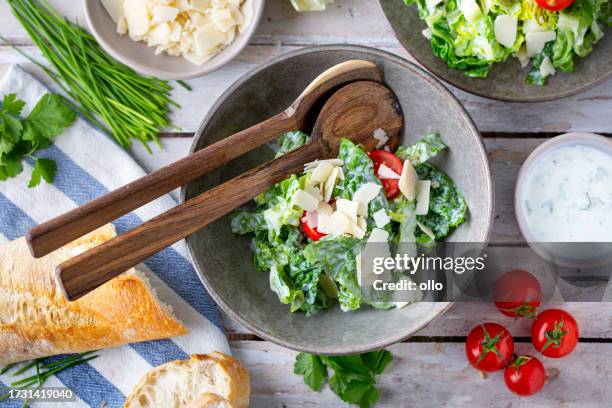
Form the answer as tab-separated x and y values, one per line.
90	164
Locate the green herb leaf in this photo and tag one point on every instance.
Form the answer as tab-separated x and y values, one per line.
377	361
48	118
10	166
43	168
313	370
22	137
11	105
354	388
10	132
354	376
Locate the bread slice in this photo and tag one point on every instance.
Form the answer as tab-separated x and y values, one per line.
210	400
37	321
182	383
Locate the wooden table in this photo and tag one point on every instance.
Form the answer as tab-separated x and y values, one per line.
430	369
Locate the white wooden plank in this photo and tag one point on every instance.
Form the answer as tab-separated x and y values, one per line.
281	23
462	317
433	375
358	22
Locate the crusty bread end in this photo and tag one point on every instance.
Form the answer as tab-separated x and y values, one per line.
181	383
210	400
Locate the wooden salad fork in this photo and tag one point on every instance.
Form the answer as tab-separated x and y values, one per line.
55	233
355	111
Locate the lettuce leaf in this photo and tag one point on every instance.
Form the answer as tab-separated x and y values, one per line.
535	76
447	206
310	5
428	147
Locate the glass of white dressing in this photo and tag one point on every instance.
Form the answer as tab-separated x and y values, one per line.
563	200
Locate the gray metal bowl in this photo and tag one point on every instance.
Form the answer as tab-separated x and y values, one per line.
506	81
224	260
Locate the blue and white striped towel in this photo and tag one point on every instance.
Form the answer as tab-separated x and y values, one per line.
88	165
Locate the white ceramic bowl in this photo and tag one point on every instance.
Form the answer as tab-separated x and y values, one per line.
142	58
544	250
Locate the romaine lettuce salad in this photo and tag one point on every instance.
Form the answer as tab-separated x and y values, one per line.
309	229
472	35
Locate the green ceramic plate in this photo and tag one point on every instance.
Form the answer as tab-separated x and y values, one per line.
506	81
224	260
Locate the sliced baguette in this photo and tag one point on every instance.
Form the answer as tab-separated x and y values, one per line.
181	383
210	400
37	321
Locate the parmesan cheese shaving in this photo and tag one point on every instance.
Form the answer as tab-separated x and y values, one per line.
385	172
423	188
407	181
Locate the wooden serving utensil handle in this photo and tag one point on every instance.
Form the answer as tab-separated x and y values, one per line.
85	272
55	233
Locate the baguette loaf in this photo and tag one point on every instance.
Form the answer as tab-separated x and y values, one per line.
36	320
210	400
189	383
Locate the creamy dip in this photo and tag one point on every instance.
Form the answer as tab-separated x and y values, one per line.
567	195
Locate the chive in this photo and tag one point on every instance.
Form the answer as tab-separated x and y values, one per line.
184	85
68	359
113	97
6	368
29	381
24	368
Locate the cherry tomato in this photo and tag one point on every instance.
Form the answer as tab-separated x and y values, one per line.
517	293
393	162
489	347
554	333
554	5
525	376
310	232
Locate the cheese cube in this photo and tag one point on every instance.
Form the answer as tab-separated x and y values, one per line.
236	14
137	17
222	19
207	38
114	9
200	4
159	35
163	14
248	13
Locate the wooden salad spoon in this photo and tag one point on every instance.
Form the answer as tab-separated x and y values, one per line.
57	232
355	111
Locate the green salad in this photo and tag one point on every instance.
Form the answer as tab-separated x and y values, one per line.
472	35
309	230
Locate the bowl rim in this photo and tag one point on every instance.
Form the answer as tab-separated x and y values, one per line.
243	39
441	307
441	75
572	138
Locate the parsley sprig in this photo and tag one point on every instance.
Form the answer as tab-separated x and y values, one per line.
22	137
354	377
